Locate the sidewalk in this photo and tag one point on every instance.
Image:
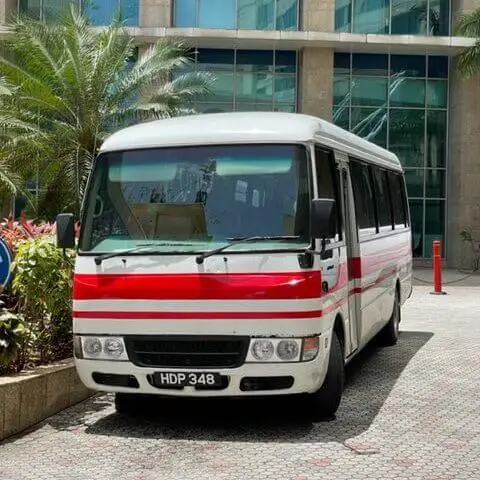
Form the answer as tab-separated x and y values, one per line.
450	278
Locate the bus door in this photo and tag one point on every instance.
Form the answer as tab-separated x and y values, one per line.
352	247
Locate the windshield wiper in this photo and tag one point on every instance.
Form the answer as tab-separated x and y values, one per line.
105	256
236	240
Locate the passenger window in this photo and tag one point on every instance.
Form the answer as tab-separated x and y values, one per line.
328	181
382	197
397	193
363	195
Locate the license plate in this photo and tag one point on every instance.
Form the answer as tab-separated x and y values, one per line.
187	379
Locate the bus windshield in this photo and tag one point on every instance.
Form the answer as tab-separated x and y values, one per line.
192	199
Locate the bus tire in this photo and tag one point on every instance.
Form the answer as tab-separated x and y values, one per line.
324	402
127	403
388	336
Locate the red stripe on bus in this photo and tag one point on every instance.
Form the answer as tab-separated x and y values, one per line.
205	286
159	315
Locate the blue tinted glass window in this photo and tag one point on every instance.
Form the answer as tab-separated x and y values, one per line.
341	62
416	17
130	11
185	13
285	61
370	16
438	67
409	65
370	64
216	59
256	14
439	17
216	14
409	16
102	12
343	15
287	17
254	60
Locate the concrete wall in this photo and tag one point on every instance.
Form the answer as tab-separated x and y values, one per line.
318	15
155	13
463	201
316	82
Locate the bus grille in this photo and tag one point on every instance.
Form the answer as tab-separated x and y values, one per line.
185	352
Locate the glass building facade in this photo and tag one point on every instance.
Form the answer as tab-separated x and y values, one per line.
100	12
237	14
395	17
400	102
246	80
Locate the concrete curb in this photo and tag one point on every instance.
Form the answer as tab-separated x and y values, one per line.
32	396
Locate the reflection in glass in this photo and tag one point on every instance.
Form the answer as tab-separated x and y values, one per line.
343	15
285	89
370	123
409	17
185	13
435	183
439	17
102	12
216	14
198	197
341	117
416	215
409	65
436	93
436	138
370	16
370	64
256	14
31	7
341	89
256	86
407	92
369	91
434	223
287	15
414	179
407	136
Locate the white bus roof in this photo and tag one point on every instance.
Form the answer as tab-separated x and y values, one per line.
246	127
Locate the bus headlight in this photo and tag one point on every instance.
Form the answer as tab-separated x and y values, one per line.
262	350
99	348
288	350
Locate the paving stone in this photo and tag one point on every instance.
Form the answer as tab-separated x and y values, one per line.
409	412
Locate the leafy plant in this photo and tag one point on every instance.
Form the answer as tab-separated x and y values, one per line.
469	59
42	282
14	336
15	231
67	87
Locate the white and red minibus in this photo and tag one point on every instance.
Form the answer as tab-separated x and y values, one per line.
234	255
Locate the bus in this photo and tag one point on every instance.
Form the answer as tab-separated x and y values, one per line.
236	255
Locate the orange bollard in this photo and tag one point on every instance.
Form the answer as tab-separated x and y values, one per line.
437	268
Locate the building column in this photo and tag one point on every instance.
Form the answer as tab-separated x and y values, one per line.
316	82
318	15
7	8
156	13
463	192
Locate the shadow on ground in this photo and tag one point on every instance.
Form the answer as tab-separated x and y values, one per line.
370	379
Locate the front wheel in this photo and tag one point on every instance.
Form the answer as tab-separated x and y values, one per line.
324	402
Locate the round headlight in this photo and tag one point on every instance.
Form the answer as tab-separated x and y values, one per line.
287	350
262	350
113	347
92	347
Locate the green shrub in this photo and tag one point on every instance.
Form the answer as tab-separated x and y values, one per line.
15	338
42	283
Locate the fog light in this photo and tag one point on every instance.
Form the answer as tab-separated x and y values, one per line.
92	347
113	347
310	349
262	350
287	350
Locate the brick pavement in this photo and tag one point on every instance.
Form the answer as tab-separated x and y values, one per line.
409	412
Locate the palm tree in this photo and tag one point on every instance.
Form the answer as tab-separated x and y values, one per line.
72	86
469	59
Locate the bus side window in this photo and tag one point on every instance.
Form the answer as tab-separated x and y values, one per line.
397	195
365	211
328	181
382	198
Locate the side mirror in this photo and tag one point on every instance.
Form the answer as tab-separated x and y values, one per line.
65	231
323	218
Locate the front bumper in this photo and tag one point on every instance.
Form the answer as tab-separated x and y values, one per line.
307	377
